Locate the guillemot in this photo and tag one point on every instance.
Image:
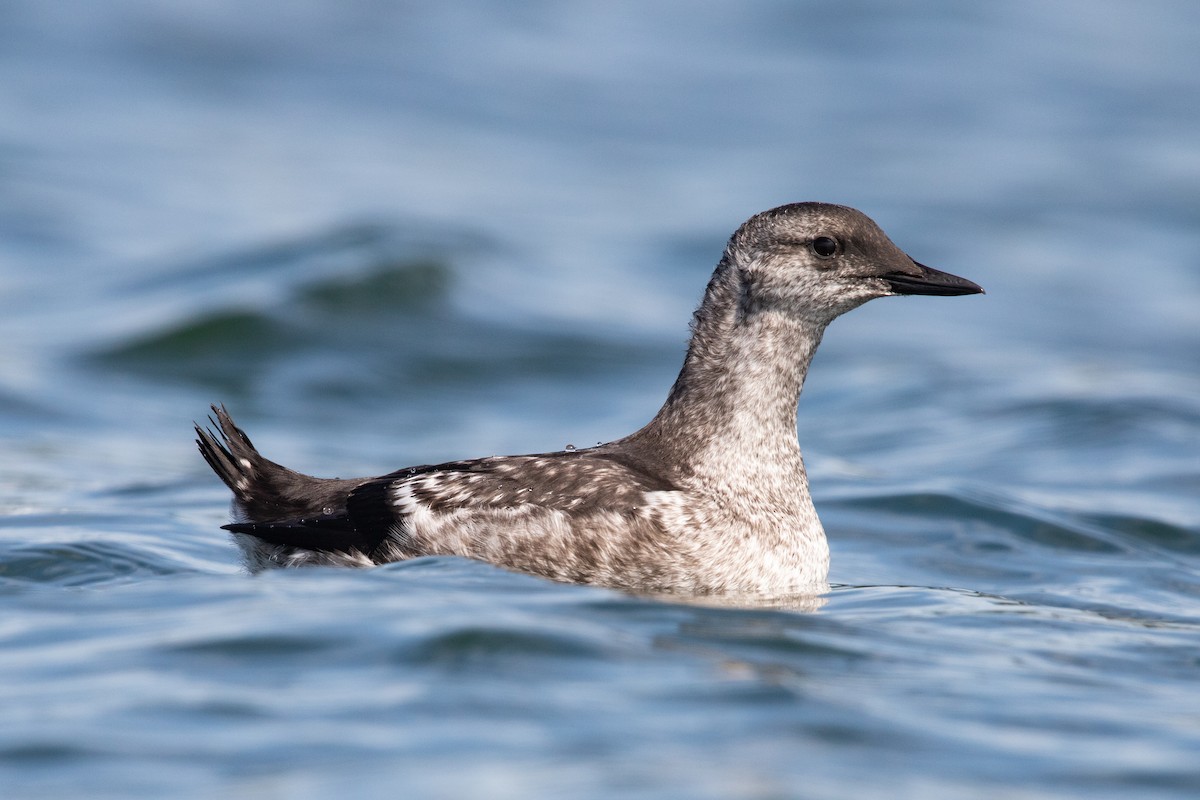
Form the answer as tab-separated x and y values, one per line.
710	497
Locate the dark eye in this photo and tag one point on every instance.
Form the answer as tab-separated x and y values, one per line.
825	246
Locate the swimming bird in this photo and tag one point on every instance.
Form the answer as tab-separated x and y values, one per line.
710	497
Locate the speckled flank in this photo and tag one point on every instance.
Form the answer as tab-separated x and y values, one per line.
710	497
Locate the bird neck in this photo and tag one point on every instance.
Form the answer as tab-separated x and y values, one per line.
732	410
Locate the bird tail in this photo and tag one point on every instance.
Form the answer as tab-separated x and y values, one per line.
264	491
284	518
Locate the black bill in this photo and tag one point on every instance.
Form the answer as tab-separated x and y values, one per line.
927	280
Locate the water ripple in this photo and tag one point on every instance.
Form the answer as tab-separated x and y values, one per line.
80	563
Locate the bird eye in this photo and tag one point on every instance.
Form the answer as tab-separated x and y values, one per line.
824	246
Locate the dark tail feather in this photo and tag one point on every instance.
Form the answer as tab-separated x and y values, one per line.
263	490
217	447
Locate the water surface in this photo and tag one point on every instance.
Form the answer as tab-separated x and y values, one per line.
387	235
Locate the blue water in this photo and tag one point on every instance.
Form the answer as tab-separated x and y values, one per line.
388	234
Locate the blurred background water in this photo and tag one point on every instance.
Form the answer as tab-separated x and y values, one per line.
392	233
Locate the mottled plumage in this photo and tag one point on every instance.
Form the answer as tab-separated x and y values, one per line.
710	497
